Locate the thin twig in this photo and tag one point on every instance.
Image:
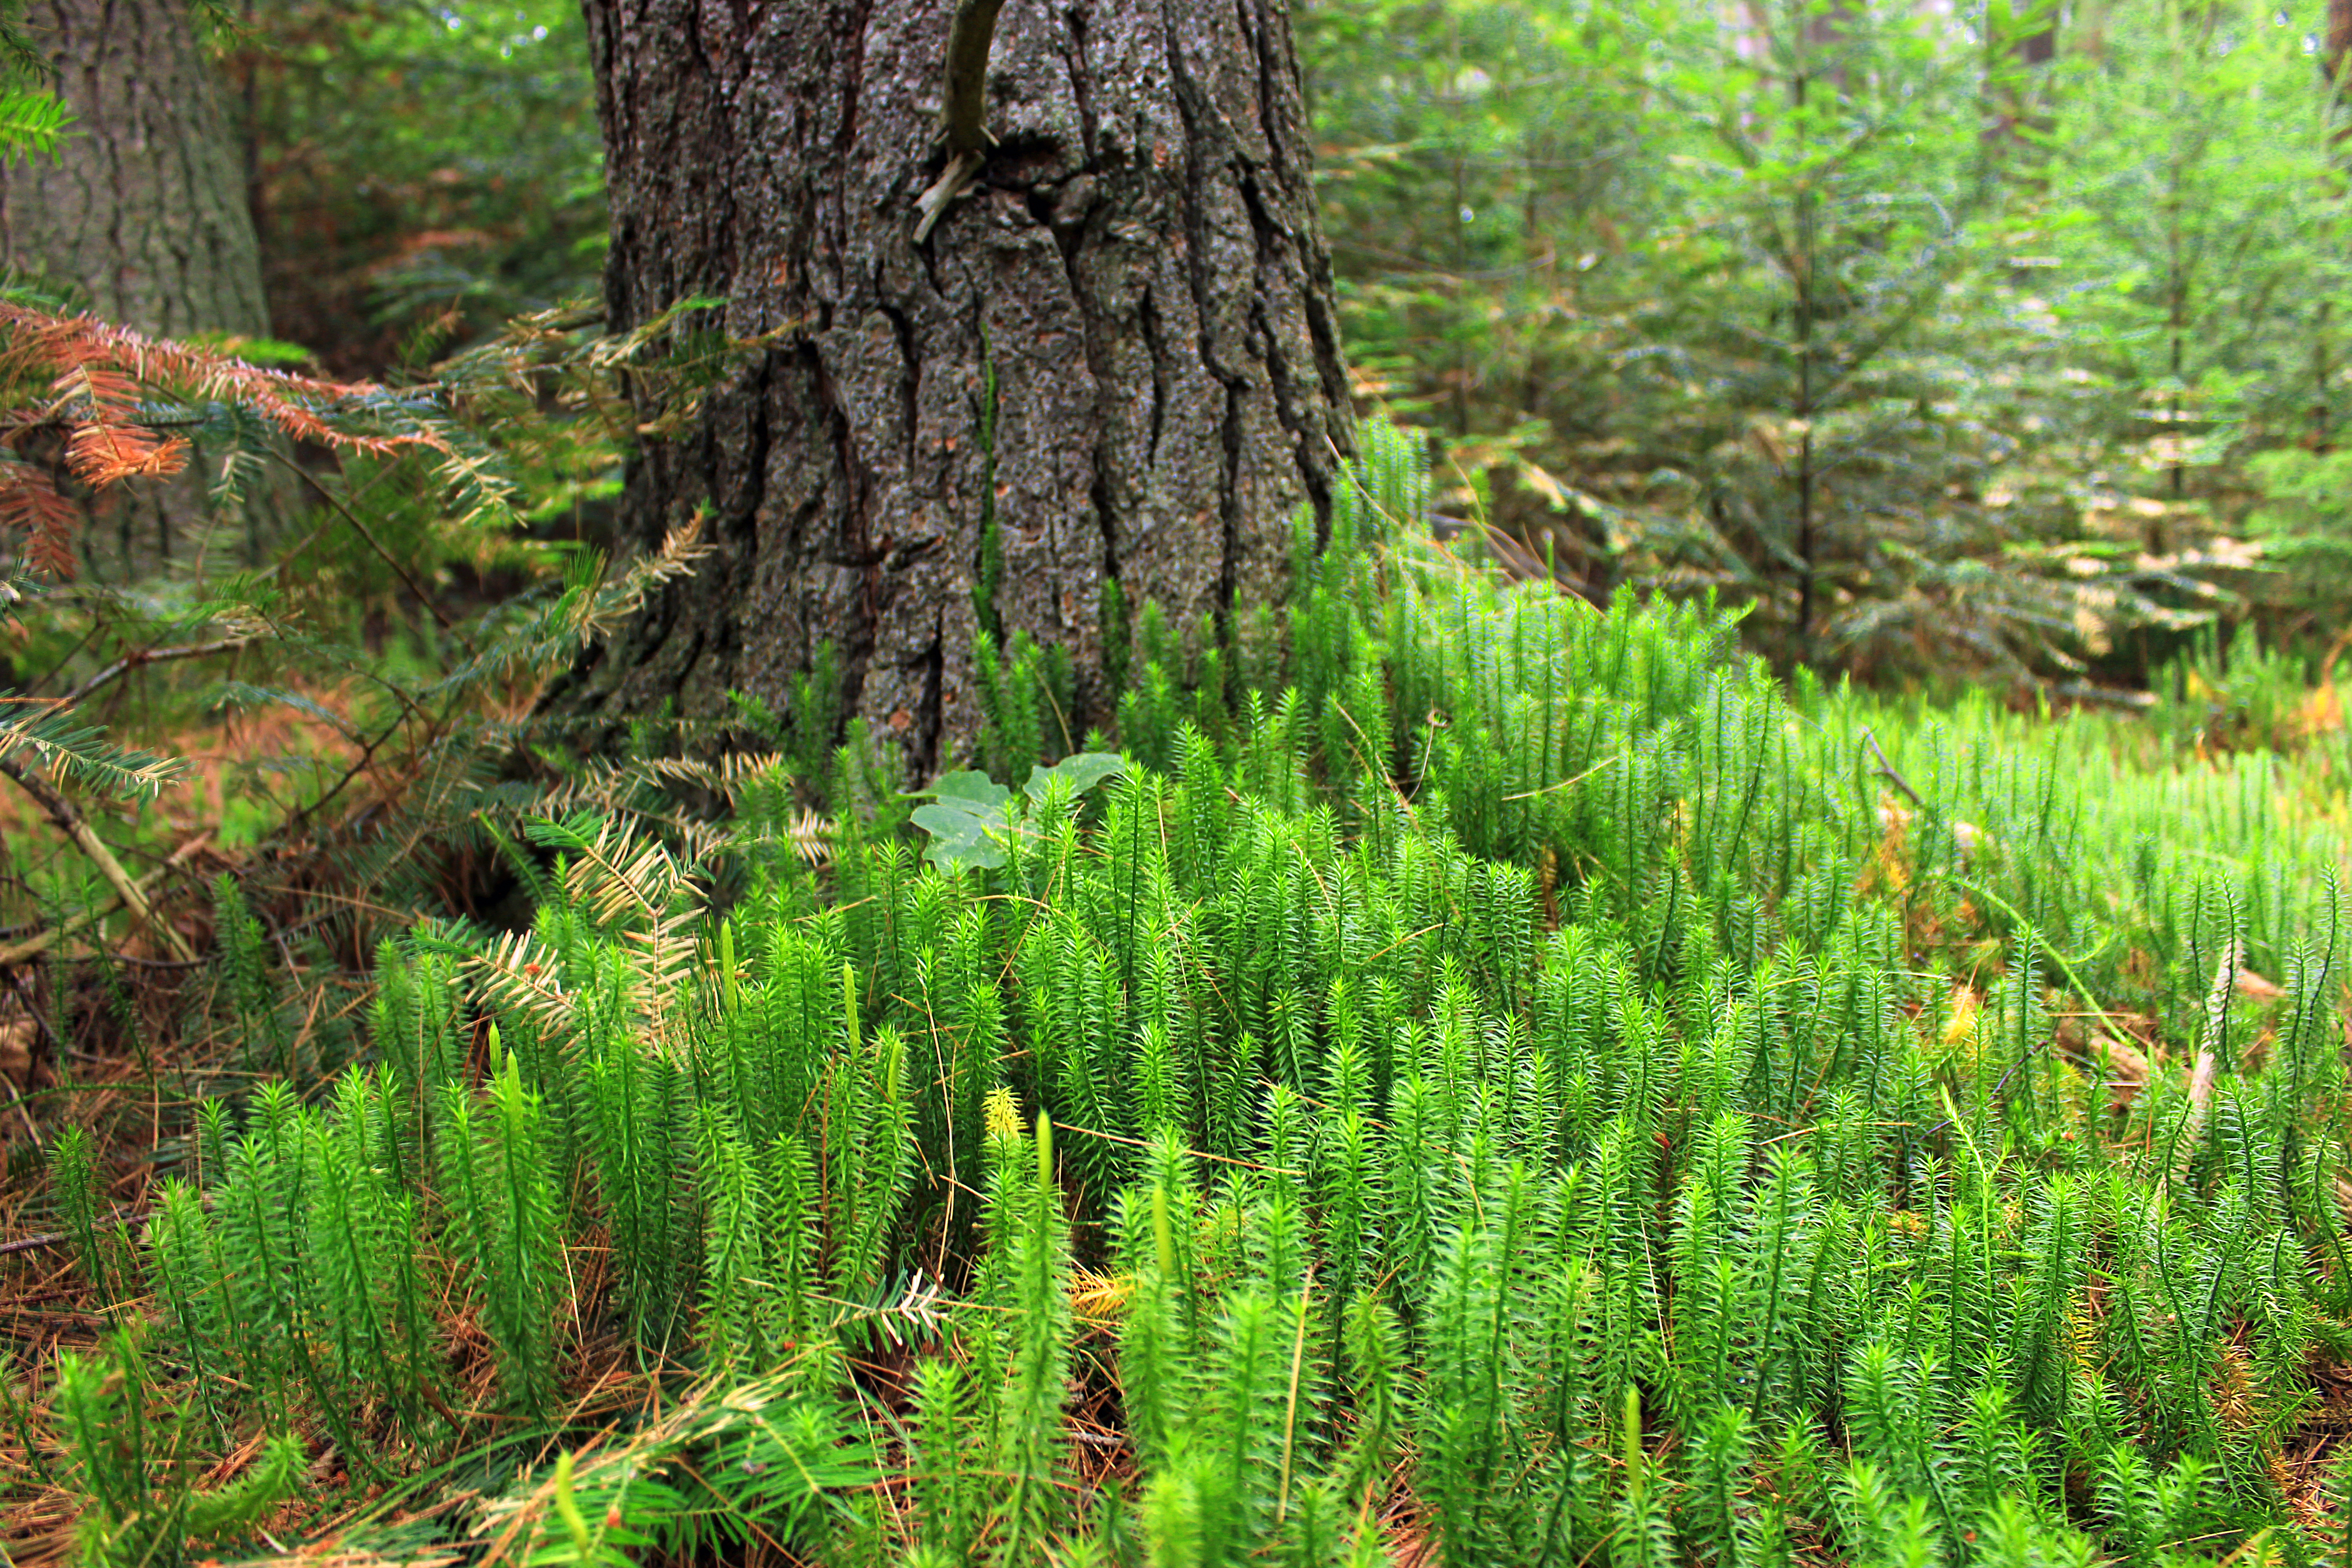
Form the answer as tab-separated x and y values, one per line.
1885	769
374	543
17	1098
40	1026
69	822
131	661
301	816
80	643
17	983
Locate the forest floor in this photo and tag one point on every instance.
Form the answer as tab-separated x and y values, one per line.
1809	1105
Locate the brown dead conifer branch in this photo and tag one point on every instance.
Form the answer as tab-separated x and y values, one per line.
99	377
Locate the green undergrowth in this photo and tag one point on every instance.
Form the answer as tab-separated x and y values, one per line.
1515	1085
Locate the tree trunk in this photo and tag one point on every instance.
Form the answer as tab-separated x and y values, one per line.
1113	360
141	217
2337	50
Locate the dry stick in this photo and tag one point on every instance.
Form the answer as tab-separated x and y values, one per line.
17	1098
33	1011
1885	770
131	661
70	823
41	942
119	1213
41	1024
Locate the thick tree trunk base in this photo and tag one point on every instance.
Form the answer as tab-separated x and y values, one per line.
1114	359
141	217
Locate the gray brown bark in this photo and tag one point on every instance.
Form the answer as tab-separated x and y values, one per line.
1137	271
141	217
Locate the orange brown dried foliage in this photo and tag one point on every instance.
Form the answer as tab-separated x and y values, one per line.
100	386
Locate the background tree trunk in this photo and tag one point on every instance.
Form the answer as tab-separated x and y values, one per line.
2338	49
141	217
1114	359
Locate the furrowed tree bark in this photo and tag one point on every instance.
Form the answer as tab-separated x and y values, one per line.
141	215
1113	359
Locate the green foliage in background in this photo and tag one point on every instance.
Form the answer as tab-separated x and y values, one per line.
1998	342
1993	341
426	170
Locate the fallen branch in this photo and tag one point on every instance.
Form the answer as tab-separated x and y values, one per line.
34	945
1885	770
115	1217
69	822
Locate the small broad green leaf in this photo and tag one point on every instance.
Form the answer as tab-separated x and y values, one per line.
972	817
967	829
1084	770
970	785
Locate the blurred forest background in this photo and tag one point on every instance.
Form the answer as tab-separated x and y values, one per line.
1980	344
1985	344
1997	342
